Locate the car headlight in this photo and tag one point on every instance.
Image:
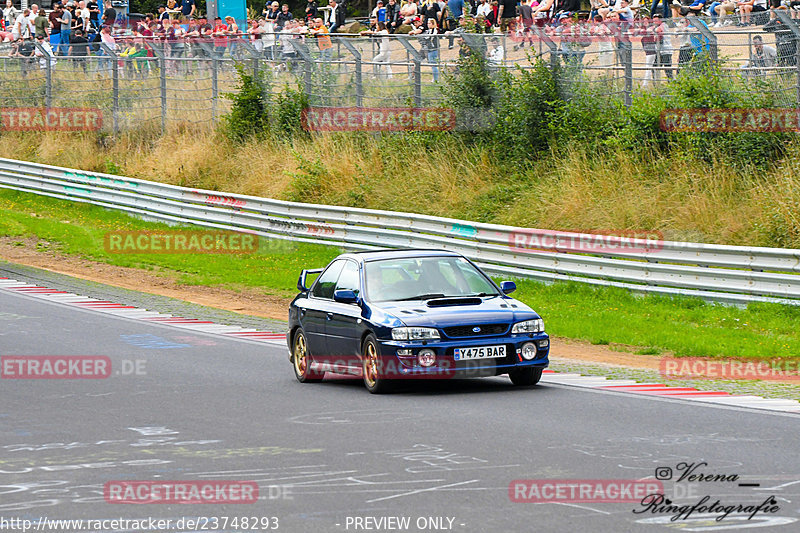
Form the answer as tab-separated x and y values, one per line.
529	326
414	334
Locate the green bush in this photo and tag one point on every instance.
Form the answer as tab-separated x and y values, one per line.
548	108
256	112
249	113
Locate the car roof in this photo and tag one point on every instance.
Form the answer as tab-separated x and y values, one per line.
377	255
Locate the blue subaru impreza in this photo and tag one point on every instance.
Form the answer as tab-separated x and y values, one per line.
400	314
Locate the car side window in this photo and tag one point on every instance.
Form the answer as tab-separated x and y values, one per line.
348	279
325	284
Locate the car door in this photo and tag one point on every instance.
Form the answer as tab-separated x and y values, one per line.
343	325
314	314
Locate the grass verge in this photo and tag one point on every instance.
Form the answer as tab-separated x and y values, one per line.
650	325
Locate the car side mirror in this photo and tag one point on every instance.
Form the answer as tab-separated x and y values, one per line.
345	297
508	287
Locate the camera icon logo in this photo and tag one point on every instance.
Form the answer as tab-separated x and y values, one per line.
663	473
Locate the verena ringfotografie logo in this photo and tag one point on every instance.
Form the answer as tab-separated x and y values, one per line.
180	242
598	242
700	368
378	119
50	119
730	120
198	492
55	367
582	490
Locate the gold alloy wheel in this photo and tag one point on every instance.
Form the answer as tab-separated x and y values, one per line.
370	365
300	355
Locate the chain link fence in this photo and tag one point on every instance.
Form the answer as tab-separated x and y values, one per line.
141	81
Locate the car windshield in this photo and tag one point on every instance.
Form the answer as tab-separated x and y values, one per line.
423	278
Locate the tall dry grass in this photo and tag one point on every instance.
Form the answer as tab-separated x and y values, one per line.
683	198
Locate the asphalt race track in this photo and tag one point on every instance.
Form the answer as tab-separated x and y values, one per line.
435	456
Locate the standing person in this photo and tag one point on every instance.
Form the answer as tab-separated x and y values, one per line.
40	24
393	18
525	22
109	14
665	48
188	7
507	15
605	41
176	36
337	16
430	45
311	11
94	14
650	46
220	34
268	36
284	16
66	25
22	28
55	26
10	14
271	11
107	39
79	49
85	15
382	58
324	43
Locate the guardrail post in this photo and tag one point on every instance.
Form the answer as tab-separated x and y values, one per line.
790	23
417	59
115	86
358	74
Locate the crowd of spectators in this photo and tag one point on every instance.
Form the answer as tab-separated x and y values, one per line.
77	29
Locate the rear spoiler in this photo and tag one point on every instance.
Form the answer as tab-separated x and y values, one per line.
301	281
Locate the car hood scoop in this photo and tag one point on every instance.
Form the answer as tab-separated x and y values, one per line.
446	302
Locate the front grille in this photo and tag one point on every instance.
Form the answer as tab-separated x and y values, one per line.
467	331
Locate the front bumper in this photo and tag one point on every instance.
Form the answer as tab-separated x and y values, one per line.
400	366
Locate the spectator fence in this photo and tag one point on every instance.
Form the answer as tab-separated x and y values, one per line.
153	81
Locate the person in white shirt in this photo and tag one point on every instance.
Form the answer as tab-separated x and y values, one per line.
10	14
48	53
84	14
484	9
383	57
23	27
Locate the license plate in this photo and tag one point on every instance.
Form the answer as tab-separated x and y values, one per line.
480	352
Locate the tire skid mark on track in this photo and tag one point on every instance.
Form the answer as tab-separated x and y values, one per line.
549	376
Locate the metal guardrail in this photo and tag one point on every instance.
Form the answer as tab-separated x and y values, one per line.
730	274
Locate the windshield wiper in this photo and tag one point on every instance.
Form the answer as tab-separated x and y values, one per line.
422	297
480	295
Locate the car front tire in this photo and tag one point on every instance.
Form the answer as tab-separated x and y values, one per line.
525	376
371	367
301	360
